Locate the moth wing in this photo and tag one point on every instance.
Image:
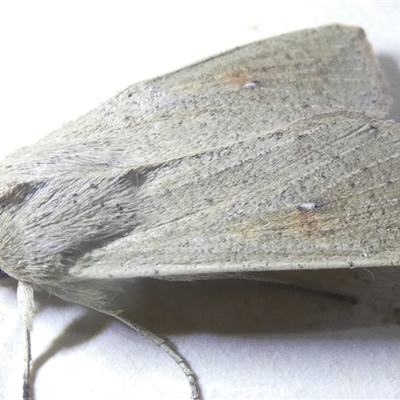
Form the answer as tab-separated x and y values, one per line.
242	93
320	193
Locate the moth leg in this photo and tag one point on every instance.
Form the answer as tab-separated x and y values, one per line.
163	344
289	280
25	296
276	278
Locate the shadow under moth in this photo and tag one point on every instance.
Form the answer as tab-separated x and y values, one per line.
269	157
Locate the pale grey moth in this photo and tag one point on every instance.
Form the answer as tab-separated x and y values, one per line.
267	157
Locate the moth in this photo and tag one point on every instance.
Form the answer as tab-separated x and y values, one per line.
269	157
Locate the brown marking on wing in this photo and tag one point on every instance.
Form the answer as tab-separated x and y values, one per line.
238	77
308	222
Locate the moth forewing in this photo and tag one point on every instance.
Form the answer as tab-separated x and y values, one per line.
241	207
211	103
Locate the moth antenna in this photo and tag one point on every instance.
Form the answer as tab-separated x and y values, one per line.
164	345
25	296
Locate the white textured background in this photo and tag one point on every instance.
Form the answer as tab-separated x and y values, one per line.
243	339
